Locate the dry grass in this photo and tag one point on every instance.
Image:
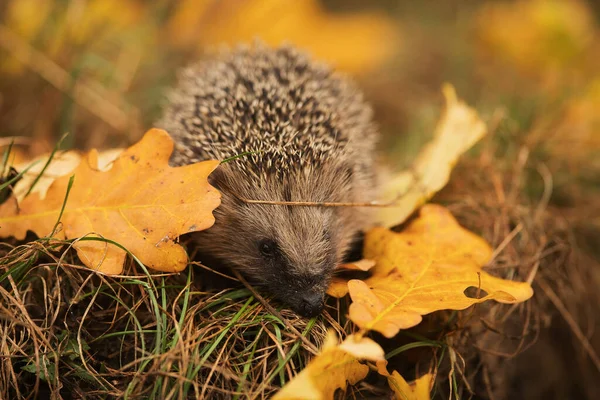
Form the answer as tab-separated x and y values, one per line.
70	332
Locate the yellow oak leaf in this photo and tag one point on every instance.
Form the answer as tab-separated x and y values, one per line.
335	367
457	131
140	202
423	269
418	390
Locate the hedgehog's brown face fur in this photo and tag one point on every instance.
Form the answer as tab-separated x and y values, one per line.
312	139
291	251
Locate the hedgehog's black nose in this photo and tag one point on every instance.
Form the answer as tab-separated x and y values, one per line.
311	304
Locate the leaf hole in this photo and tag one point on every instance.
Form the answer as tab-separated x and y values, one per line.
474	292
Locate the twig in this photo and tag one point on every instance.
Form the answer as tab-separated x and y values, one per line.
199	264
375	203
318	203
392	203
487	382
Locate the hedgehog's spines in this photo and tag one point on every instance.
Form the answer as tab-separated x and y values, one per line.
294	112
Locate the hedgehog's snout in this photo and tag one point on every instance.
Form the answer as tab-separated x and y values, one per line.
309	289
302	293
310	303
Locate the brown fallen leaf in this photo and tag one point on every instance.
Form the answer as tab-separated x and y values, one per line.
418	390
425	268
140	203
335	367
457	131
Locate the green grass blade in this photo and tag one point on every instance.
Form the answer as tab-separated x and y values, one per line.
37	178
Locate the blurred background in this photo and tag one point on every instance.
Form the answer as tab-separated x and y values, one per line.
99	70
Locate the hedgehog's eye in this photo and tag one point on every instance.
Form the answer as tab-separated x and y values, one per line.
267	247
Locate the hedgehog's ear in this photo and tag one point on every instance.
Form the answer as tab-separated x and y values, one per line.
224	180
219	178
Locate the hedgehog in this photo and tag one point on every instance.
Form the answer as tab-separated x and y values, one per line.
297	132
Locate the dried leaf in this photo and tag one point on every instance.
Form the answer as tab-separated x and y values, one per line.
457	131
418	390
425	268
140	202
335	367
